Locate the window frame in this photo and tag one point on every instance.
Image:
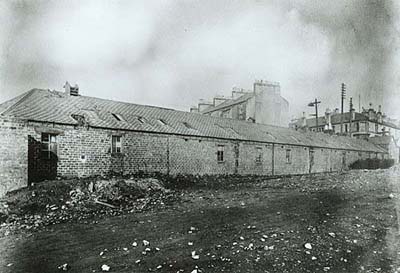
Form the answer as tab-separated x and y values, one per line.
259	154
288	156
115	145
220	153
52	146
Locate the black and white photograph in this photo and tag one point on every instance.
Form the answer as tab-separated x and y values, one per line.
199	136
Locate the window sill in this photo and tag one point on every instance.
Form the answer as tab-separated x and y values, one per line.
221	162
117	154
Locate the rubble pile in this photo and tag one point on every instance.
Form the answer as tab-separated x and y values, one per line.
53	202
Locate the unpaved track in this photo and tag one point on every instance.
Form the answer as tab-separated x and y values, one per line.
349	220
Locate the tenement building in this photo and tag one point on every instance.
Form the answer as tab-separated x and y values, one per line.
49	134
369	124
365	124
264	104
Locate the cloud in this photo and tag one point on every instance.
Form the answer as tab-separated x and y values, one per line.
172	53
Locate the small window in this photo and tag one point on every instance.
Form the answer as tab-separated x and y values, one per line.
116	144
49	146
258	155
220	153
118	117
288	156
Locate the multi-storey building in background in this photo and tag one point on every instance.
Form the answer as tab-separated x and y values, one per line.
368	124
264	104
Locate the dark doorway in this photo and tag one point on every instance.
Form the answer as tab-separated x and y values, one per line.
236	150
311	158
42	158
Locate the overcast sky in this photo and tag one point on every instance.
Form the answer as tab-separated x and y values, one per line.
172	53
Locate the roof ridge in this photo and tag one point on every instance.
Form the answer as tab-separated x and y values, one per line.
117	101
19	101
227	103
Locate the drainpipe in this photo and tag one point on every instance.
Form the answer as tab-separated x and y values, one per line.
168	167
273	158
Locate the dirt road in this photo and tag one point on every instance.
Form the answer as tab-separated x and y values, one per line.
325	223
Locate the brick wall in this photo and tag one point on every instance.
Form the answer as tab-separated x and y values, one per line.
13	155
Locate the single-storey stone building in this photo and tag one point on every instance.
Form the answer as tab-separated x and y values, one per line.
47	134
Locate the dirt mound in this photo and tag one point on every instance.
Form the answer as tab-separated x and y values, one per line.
62	200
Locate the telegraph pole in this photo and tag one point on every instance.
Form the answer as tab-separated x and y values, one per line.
343	95
351	113
315	104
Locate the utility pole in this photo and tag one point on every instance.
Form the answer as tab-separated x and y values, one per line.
343	95
351	113
315	104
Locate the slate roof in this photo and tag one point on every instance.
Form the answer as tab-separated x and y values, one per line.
228	103
58	107
382	140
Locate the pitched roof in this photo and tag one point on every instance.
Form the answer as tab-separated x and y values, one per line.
382	140
228	103
58	107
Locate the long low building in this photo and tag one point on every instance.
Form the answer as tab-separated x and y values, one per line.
48	134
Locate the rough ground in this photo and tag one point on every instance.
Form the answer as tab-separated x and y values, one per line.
324	223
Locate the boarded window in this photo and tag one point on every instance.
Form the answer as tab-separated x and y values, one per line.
220	153
288	156
258	155
49	146
116	144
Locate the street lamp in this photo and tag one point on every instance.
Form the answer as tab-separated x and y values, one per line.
315	104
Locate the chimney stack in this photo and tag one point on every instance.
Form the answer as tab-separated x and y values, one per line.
71	91
328	125
303	120
379	115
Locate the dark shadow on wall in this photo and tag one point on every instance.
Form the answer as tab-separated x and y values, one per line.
41	165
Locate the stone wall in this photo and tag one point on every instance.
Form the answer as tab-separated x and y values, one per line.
86	151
